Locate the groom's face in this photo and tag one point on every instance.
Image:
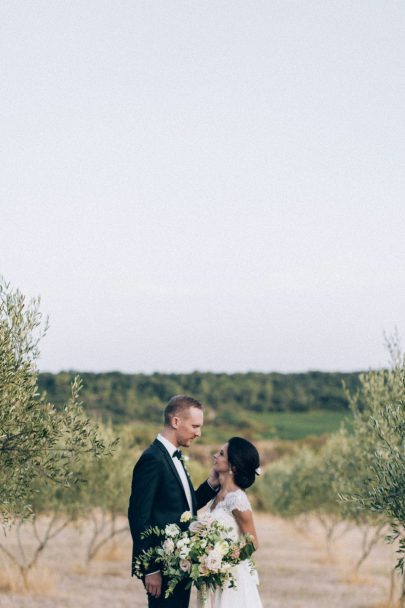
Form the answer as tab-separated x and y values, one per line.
188	426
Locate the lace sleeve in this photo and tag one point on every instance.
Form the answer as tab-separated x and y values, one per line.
238	500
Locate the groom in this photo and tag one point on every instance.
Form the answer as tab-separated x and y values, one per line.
162	491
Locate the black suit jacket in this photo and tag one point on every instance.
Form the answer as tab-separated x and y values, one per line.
158	497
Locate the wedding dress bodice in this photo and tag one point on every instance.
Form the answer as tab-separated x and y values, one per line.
223	510
245	594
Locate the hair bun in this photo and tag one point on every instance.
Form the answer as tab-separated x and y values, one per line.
244	460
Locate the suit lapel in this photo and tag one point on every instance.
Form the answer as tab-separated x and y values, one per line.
171	464
193	496
192	492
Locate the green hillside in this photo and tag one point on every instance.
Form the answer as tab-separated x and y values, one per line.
262	405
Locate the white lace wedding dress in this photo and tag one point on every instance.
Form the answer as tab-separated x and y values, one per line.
245	594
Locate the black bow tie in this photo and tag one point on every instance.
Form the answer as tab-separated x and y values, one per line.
177	454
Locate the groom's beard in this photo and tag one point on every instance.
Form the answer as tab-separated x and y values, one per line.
190	442
185	443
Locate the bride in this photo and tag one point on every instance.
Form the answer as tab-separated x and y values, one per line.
237	464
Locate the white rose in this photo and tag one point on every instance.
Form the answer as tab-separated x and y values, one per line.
222	547
185	552
207	519
168	546
195	526
185	517
201	524
172	530
213	560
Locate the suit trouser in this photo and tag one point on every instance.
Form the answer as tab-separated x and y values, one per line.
180	598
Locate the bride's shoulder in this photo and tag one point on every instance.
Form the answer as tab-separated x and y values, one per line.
237	500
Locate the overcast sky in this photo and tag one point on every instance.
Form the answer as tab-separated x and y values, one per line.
205	184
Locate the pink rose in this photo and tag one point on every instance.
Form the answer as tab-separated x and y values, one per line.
213	560
185	565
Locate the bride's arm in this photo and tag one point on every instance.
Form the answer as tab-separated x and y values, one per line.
244	519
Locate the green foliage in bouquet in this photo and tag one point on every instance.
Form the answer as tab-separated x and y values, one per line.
204	555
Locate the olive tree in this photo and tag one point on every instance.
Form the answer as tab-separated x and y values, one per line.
38	443
376	482
42	448
300	485
107	493
53	506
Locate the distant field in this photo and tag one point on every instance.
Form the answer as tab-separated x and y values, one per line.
298	425
254	426
275	425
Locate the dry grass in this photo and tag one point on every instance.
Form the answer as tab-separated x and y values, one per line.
80	568
39	581
292	567
353	578
10	578
114	551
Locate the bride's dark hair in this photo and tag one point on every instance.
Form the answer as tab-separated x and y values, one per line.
244	461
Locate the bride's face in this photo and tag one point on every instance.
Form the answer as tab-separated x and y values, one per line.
221	464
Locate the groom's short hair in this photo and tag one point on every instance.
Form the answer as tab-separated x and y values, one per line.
178	405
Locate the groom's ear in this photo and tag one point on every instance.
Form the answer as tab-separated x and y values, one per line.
175	422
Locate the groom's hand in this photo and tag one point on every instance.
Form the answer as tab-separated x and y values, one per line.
153	584
213	479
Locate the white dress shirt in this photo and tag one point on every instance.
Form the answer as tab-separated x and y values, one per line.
179	467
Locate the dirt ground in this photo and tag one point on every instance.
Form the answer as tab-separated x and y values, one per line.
294	567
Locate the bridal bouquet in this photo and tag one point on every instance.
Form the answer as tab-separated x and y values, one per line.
204	554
